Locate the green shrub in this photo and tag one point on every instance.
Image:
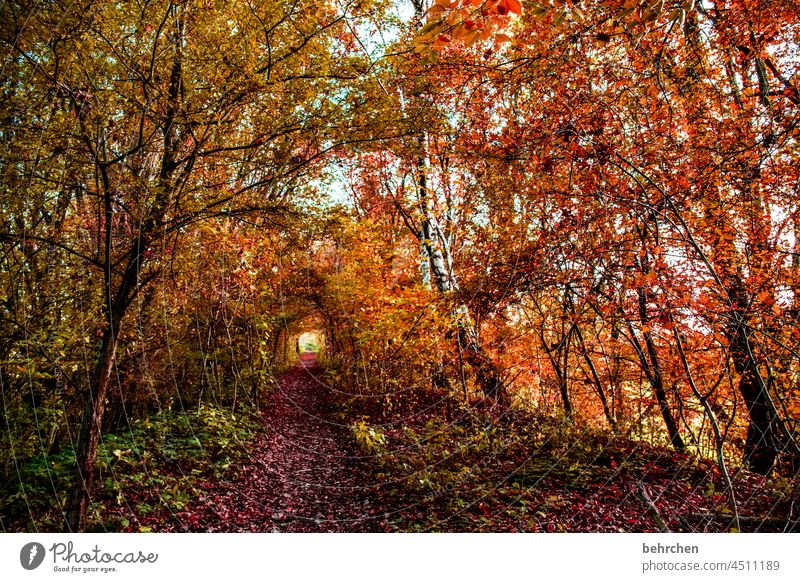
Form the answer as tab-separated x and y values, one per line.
156	462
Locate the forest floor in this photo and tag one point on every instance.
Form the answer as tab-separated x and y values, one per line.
316	465
302	472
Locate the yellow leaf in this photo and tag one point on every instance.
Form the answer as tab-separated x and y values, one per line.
539	12
677	15
429	27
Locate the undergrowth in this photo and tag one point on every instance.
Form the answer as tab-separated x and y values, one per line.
154	466
491	470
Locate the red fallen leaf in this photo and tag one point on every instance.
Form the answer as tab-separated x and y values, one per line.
514	6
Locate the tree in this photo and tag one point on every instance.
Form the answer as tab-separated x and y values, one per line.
652	142
151	131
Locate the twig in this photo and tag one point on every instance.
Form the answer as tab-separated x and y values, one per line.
651	507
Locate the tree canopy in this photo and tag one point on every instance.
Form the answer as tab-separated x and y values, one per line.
582	210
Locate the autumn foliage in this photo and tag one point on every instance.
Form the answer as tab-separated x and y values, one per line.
576	210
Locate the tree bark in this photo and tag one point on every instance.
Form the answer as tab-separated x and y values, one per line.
436	267
91	429
595	378
554	354
763	439
719	441
652	371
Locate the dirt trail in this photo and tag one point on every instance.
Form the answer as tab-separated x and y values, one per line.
304	475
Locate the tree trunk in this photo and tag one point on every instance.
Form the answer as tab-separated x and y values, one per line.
554	354
91	428
595	378
766	433
763	437
652	371
652	368
719	441
486	373
657	382
436	266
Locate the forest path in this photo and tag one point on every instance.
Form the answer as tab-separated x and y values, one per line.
304	475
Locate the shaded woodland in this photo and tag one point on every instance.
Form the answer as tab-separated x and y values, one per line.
548	253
